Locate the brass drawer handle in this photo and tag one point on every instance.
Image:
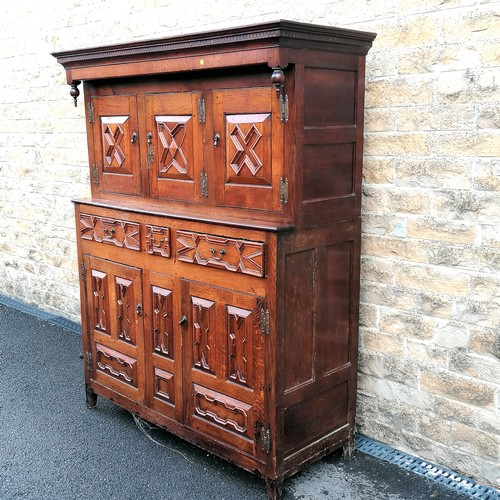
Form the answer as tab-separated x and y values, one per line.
108	232
222	252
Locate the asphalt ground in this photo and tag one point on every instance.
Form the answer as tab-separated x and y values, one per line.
53	447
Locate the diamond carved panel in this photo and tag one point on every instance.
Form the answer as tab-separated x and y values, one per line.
245	149
174	146
248	149
112	143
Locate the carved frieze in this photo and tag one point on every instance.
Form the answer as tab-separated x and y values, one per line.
111	231
240	256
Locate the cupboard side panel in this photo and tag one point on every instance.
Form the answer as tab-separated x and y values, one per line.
299	333
320	335
332	141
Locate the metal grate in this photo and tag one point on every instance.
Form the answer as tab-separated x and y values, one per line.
34	311
426	469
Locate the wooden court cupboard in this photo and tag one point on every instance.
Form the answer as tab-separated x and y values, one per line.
219	251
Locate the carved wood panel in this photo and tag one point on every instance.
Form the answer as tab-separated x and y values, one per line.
222	410
174	147
204	330
164	386
162	312
158	240
239	345
240	256
114	147
125	309
111	231
116	365
248	150
100	301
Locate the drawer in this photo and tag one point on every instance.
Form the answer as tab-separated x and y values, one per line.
120	233
236	255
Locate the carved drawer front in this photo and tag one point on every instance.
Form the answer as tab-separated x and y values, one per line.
158	240
236	255
116	232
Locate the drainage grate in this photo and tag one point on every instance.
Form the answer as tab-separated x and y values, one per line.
426	469
34	311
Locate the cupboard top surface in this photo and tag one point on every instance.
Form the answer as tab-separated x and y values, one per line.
245	40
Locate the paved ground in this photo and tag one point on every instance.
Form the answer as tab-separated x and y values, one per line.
53	447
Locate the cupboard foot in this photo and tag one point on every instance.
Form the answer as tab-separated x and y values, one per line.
274	489
90	397
348	450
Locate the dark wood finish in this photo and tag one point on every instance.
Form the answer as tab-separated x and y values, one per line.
219	254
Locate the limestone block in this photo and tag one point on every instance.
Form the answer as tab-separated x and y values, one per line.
485	341
432	278
451	334
377	170
430	228
405	324
458	387
427	353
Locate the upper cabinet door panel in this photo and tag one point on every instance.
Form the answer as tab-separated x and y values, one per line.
116	145
248	148
174	145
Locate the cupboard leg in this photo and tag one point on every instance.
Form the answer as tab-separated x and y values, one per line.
348	449
274	489
90	397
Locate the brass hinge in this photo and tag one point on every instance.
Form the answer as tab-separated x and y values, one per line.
84	271
91	112
265	439
204	184
95	174
202	111
283	190
88	357
283	107
150	158
264	320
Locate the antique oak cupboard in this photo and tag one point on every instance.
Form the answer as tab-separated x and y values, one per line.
219	252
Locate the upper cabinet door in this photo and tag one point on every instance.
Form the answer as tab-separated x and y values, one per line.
174	145
247	148
116	145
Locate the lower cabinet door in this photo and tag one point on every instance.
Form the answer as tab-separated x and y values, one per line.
114	309
163	344
224	371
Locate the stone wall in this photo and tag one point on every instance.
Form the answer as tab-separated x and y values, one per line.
430	338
